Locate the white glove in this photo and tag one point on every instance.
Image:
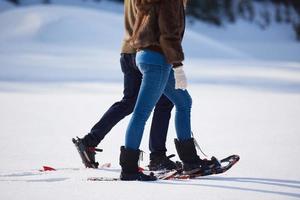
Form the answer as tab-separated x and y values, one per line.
180	78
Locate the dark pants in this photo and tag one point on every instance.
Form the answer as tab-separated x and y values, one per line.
119	110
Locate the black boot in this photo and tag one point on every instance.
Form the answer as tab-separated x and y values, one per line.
130	170
87	153
91	140
191	161
159	161
188	155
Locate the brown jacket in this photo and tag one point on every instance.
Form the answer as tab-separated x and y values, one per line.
160	25
130	13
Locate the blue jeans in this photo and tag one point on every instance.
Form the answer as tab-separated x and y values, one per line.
120	109
158	79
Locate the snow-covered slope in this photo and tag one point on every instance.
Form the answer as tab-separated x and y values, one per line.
36	40
41	38
4	5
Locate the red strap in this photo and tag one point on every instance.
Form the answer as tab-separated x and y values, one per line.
141	169
47	168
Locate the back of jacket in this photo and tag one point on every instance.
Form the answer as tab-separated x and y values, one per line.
160	24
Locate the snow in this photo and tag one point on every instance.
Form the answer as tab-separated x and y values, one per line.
59	72
262	127
4	5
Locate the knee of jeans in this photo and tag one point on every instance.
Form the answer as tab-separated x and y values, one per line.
185	104
141	115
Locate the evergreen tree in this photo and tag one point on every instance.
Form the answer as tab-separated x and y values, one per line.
206	10
278	17
228	8
297	30
288	18
17	2
246	10
266	20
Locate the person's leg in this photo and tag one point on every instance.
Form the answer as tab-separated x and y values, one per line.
184	143
159	126
153	84
158	136
155	77
119	110
183	103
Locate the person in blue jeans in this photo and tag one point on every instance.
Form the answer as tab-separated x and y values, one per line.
158	33
132	81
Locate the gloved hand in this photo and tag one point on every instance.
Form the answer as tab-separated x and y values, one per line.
180	78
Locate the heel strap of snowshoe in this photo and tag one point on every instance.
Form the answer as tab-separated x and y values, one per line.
93	149
171	156
197	145
98	150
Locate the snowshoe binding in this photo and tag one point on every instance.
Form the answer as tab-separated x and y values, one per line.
163	163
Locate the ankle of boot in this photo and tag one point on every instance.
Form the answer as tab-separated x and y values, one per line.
129	160
155	155
187	151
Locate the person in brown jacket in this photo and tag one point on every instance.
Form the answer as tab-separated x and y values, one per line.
157	35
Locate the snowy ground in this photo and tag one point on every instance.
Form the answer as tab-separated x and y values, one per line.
37	124
59	73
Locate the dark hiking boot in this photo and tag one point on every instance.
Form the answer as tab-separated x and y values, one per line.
188	155
163	162
191	161
213	164
129	163
87	154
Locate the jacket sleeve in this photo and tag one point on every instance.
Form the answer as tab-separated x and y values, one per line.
171	21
